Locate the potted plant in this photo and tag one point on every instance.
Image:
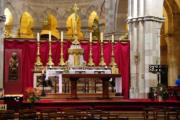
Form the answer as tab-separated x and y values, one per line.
161	92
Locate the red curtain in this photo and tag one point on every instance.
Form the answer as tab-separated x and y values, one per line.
29	51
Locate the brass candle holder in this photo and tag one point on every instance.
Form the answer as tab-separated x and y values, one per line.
50	62
38	59
91	63
113	63
102	63
62	63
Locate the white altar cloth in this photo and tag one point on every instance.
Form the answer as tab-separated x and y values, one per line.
53	73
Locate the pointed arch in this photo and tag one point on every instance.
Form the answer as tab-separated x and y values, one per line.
50	24
71	27
26	25
8	22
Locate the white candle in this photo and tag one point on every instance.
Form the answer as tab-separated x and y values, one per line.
90	40
43	71
38	37
101	36
61	36
112	38
49	36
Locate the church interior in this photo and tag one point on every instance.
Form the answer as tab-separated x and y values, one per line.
90	59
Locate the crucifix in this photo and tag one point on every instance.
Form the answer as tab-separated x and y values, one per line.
75	9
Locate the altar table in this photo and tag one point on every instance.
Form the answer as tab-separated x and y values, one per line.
104	77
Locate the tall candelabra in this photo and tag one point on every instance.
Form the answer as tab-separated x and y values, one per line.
91	63
113	63
102	63
38	59
62	63
50	62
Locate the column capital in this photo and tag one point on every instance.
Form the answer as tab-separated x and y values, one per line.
146	18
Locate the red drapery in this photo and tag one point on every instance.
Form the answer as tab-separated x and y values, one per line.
29	51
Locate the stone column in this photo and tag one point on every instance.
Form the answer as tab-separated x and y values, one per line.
144	33
2	20
111	13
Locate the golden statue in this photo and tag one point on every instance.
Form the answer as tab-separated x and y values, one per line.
50	24
26	25
8	23
71	25
93	24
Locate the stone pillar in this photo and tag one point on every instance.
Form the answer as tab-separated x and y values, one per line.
2	20
144	33
111	13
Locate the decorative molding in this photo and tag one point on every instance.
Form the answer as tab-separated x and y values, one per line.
146	18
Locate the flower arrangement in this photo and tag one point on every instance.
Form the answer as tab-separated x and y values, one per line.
32	95
161	91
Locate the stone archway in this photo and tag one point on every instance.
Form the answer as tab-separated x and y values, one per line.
170	40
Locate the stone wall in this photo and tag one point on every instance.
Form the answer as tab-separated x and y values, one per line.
112	14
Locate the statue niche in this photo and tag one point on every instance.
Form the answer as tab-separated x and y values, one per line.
70	24
26	25
50	24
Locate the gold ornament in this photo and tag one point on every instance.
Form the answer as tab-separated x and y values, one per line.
75	42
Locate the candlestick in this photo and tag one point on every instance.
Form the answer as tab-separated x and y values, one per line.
113	63
61	63
50	61
91	63
101	36
112	38
102	63
37	37
49	36
90	40
38	59
61	36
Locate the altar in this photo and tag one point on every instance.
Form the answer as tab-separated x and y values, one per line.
39	56
73	76
104	77
76	67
